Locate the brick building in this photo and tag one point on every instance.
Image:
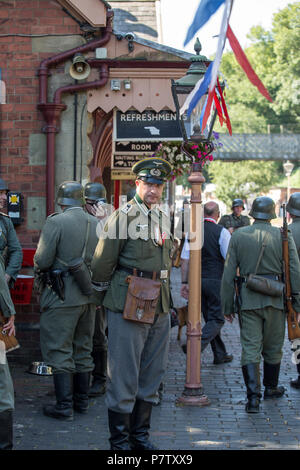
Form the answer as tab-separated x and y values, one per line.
55	127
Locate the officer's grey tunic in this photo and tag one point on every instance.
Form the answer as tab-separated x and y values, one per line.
137	353
66	327
263	317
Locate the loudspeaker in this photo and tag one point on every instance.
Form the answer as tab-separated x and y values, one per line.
79	69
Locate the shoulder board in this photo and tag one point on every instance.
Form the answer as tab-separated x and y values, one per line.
3	213
126	208
52	215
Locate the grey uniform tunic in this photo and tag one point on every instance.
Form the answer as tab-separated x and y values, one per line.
263	316
11	255
6	384
66	327
137	353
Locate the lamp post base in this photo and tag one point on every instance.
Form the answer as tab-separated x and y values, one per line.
192	397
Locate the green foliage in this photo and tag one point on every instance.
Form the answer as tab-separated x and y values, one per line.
243	179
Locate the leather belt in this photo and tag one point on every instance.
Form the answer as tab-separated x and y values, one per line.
275	277
163	274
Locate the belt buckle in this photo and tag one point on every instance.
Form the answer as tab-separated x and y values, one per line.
164	274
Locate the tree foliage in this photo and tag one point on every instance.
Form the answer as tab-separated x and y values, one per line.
275	57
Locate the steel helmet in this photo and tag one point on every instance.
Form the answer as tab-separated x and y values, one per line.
293	206
263	207
237	203
95	192
3	185
70	193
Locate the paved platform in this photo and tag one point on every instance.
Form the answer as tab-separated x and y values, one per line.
223	425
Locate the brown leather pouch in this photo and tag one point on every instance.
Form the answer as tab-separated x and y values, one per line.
11	343
141	300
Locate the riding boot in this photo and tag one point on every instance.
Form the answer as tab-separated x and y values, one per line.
271	375
63	385
296	383
140	425
252	381
81	381
6	430
119	424
99	374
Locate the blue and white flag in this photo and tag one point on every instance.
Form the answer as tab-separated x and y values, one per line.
202	89
186	104
204	11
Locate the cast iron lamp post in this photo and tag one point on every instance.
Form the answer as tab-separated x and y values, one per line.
192	394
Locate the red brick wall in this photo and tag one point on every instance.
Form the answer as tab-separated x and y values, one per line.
20	116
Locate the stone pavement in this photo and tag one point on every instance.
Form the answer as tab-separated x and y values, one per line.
223	425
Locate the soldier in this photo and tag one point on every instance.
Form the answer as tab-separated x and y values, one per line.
137	242
6	384
293	207
62	261
236	219
258	249
95	199
11	255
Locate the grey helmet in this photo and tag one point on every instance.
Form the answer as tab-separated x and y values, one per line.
70	193
95	192
263	208
293	206
237	203
3	185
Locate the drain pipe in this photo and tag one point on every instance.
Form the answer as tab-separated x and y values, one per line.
52	111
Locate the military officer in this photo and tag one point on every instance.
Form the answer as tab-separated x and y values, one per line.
137	240
95	204
11	255
235	220
6	384
62	262
293	207
262	315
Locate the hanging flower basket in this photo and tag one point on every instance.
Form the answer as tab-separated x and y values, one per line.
181	154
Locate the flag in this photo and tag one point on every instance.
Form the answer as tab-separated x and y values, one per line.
204	11
224	107
221	43
201	90
245	64
186	104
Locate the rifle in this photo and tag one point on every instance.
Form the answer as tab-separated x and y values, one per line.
237	298
10	342
293	325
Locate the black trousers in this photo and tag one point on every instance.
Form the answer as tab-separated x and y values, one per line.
214	319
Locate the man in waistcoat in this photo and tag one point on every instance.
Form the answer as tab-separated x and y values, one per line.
136	242
62	262
235	220
213	254
293	208
257	249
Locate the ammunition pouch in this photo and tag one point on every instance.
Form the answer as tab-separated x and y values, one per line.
141	300
82	276
267	285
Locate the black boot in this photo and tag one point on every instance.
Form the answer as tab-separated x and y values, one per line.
119	424
6	430
252	382
296	383
99	374
140	425
63	385
271	375
81	381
